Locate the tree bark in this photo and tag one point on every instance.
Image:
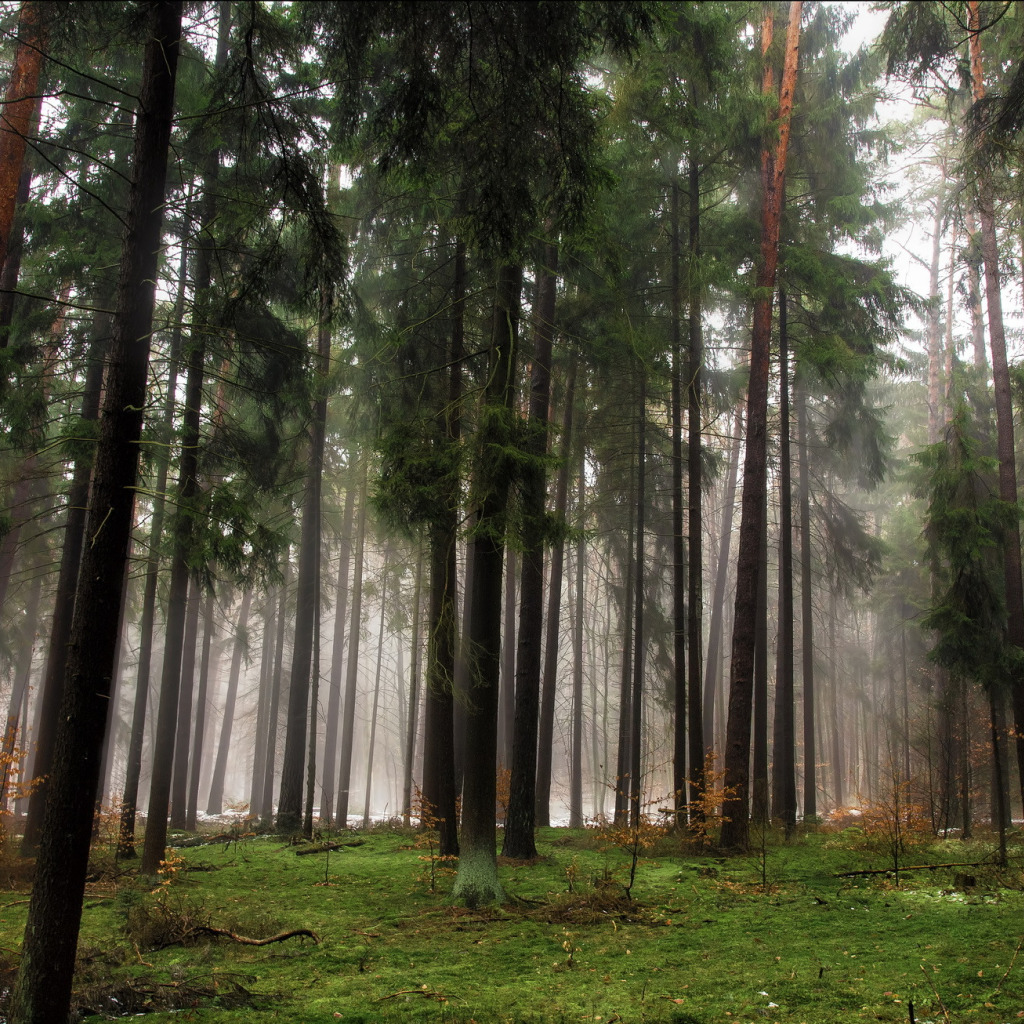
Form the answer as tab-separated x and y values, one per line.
215	800
199	732
679	617
438	792
526	804
695	513
784	742
42	992
183	732
337	660
1003	400
477	880
20	109
806	609
736	824
64	601
636	704
289	808
348	718
716	631
552	630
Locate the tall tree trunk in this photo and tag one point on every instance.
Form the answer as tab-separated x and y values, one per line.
552	630
507	701
187	491
636	710
412	723
526	784
736	824
289	808
439	789
133	767
759	797
179	778
716	630
695	514
784	742
1003	399
20	109
215	800
806	609
337	660
199	732
64	601
348	718
679	618
373	711
43	988
576	760
274	716
477	880
259	755
15	735
626	664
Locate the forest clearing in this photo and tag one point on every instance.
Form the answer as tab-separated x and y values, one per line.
779	935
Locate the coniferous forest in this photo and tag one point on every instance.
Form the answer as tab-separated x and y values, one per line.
510	424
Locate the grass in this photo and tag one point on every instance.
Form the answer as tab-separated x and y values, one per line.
702	940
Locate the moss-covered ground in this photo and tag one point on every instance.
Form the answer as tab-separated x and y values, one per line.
703	939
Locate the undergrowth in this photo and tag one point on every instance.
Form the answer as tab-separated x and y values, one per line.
776	935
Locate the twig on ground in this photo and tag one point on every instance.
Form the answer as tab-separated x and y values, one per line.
246	941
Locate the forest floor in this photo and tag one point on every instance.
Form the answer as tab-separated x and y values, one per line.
774	936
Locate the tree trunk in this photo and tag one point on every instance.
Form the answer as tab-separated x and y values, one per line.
274	716
438	792
695	515
43	988
759	789
179	778
528	801
807	610
636	710
373	711
623	732
215	800
337	660
552	631
716	631
348	719
259	754
576	760
199	732
679	617
1003	400
64	601
289	808
784	742
412	723
736	825
20	109
477	883
507	701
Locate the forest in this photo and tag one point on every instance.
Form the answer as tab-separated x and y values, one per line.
515	431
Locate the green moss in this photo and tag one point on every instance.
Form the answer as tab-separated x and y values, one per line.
690	948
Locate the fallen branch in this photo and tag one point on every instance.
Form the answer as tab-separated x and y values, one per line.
325	847
427	993
913	867
246	941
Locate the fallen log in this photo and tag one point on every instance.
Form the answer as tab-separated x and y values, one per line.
913	867
324	847
246	941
